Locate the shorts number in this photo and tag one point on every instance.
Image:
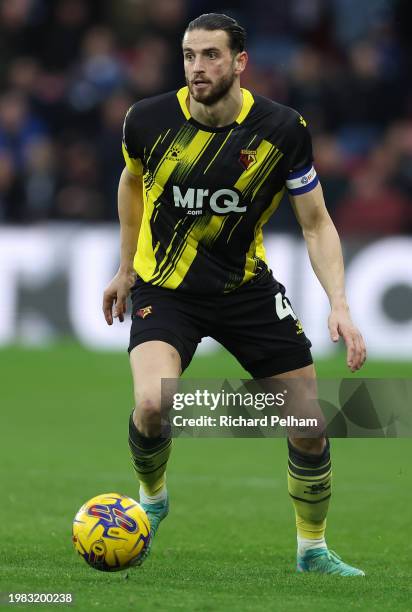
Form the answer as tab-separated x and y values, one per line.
283	308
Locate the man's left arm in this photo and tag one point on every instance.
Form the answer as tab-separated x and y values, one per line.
325	254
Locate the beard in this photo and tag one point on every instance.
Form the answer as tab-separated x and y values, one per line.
215	93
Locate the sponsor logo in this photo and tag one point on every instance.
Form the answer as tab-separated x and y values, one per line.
307	178
174	154
144	312
299	327
247	158
317	488
221	202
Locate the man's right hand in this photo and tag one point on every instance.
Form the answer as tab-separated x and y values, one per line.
116	293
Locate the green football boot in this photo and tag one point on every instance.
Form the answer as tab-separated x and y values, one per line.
155	513
325	561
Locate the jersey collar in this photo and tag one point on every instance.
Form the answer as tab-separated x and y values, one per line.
248	102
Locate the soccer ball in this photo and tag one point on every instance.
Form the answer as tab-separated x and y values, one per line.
111	532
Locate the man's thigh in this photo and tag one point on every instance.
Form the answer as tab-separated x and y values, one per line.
150	362
167	317
259	327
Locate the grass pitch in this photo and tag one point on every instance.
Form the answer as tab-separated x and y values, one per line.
229	542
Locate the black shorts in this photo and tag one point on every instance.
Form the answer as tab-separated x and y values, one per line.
254	322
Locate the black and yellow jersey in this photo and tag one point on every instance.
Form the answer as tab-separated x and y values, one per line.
209	191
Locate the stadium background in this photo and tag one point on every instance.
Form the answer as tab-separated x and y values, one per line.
69	70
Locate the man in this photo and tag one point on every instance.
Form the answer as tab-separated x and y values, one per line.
206	166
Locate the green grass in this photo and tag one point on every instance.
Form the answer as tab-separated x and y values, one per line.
229	542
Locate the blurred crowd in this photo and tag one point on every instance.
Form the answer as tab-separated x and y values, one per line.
69	70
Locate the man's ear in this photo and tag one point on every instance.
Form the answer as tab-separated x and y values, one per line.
241	62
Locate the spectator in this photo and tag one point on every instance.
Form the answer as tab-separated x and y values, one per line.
18	126
109	145
79	196
69	70
373	208
40	180
11	189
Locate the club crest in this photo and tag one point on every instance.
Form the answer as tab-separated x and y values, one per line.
144	312
247	158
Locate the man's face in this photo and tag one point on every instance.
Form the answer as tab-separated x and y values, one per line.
210	66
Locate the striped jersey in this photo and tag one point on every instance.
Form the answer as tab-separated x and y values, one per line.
209	191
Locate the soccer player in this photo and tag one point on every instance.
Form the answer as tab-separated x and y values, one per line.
206	166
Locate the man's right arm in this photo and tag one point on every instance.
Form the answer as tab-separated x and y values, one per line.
130	208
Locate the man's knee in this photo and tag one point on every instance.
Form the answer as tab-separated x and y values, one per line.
313	446
147	415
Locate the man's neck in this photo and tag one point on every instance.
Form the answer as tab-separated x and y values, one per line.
224	112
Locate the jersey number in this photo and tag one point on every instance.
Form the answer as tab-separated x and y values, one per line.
283	308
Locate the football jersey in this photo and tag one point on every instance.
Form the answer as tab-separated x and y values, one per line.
208	191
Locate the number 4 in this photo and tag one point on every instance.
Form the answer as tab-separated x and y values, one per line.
283	308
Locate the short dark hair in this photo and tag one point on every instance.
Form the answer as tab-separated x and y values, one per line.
218	21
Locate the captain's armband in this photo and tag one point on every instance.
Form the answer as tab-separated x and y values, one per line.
302	181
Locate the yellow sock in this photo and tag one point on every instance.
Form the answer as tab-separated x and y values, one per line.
309	486
149	458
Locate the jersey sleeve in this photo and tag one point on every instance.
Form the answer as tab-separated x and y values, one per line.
302	176
132	150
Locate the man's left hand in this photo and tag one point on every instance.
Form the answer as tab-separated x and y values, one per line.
340	324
